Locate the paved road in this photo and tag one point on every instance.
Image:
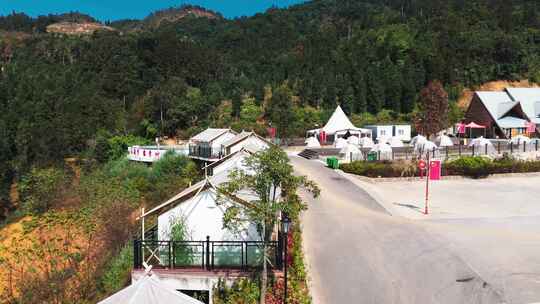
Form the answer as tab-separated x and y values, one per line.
358	253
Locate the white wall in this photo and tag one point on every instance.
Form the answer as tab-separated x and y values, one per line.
384	131
204	217
406	129
252	142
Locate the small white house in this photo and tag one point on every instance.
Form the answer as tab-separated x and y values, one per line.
249	140
201	213
403	132
381	131
207	144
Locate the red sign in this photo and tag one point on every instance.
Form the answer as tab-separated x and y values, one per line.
435	170
422	164
272	132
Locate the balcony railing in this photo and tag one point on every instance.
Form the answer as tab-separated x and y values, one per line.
205	255
204	151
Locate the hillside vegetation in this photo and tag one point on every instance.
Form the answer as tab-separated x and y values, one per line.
183	69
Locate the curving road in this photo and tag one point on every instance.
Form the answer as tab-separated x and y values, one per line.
358	253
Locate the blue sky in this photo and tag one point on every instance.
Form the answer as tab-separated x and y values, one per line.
136	9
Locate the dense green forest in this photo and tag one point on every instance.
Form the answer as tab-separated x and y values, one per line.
62	94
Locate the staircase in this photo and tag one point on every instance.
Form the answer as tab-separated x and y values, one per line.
309	154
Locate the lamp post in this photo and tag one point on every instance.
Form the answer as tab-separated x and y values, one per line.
285	223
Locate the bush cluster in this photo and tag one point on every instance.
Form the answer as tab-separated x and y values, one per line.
475	167
381	168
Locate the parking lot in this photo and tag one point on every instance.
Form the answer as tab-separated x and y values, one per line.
458	198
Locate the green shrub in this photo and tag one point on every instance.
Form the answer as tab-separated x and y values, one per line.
475	167
118	271
39	188
380	169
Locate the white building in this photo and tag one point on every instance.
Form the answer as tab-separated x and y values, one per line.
249	140
403	132
207	144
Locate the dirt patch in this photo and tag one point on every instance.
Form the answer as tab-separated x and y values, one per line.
500	85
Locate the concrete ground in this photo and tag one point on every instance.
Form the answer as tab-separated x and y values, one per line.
358	252
458	198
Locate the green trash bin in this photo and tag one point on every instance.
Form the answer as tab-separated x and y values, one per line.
372	156
332	162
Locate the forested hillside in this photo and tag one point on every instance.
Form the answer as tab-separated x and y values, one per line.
176	72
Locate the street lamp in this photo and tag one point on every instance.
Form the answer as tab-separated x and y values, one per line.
285	224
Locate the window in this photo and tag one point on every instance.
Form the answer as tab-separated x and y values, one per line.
401	132
383	132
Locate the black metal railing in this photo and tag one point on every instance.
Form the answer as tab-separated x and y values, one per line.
458	150
205	255
204	151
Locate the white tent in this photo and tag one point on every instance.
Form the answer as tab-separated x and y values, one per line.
519	140
340	143
395	142
354	140
445	141
338	121
383	150
383	139
149	290
366	142
351	153
426	147
418	140
482	146
312	142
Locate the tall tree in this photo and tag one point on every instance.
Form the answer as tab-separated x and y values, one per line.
433	109
280	110
270	176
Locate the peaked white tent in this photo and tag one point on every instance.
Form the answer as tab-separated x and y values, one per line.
340	143
366	142
520	139
354	140
395	142
149	290
339	124
445	141
383	150
351	153
483	146
313	142
418	140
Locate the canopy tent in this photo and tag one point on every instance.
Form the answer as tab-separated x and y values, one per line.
366	142
149	290
483	146
354	140
426	147
383	139
339	124
340	143
444	141
312	142
395	142
351	153
418	140
383	150
472	125
520	139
